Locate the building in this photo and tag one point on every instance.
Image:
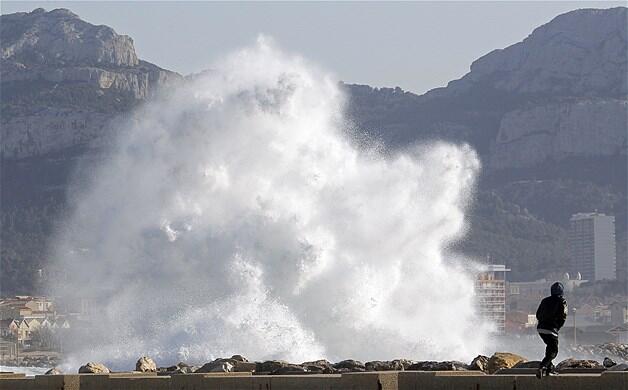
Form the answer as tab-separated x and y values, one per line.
490	290
620	334
26	307
621	264
619	313
8	328
592	245
526	296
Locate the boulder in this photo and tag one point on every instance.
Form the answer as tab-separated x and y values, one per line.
313	369
405	363
270	365
145	364
350	365
530	364
479	363
239	358
377	365
176	371
608	362
54	371
319	367
244	367
218	365
321	362
619	367
179	368
438	366
94	368
576	363
501	360
290	369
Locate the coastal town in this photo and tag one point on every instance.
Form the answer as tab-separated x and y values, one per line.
594	283
32	328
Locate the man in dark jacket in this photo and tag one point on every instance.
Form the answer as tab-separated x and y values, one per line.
551	316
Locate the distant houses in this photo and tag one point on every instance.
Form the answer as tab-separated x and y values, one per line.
27	320
596	314
26	307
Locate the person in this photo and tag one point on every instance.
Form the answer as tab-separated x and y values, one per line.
551	316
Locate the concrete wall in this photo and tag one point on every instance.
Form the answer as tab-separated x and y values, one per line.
405	380
448	381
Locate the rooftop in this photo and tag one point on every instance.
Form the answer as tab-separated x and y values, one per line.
581	216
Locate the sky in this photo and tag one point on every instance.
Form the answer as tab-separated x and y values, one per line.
416	46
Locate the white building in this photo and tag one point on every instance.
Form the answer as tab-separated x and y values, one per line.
592	245
490	290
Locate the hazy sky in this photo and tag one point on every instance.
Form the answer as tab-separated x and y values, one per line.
417	46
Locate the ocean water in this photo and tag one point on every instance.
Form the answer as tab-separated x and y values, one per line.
29	371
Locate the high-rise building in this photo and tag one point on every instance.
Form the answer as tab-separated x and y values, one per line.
592	245
490	290
621	263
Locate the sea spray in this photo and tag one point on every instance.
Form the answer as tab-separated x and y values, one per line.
235	216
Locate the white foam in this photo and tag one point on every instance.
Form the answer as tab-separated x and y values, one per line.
235	217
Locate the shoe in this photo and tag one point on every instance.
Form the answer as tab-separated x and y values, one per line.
551	372
539	372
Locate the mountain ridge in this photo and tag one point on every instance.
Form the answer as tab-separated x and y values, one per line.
63	79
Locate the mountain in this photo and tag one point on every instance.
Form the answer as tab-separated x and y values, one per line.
63	78
64	84
547	116
558	94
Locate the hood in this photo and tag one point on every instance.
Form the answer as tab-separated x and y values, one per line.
557	289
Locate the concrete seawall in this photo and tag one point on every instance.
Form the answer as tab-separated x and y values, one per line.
390	380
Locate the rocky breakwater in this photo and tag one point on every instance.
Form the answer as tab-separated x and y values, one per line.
614	351
64	79
238	363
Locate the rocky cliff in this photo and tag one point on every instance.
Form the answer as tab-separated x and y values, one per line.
60	38
580	53
63	80
556	131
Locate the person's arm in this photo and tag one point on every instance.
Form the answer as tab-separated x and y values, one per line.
538	312
562	314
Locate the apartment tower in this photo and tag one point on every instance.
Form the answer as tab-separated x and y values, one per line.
592	245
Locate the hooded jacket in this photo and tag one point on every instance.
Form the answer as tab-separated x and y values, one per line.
552	311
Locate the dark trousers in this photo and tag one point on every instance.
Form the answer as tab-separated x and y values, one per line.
551	350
